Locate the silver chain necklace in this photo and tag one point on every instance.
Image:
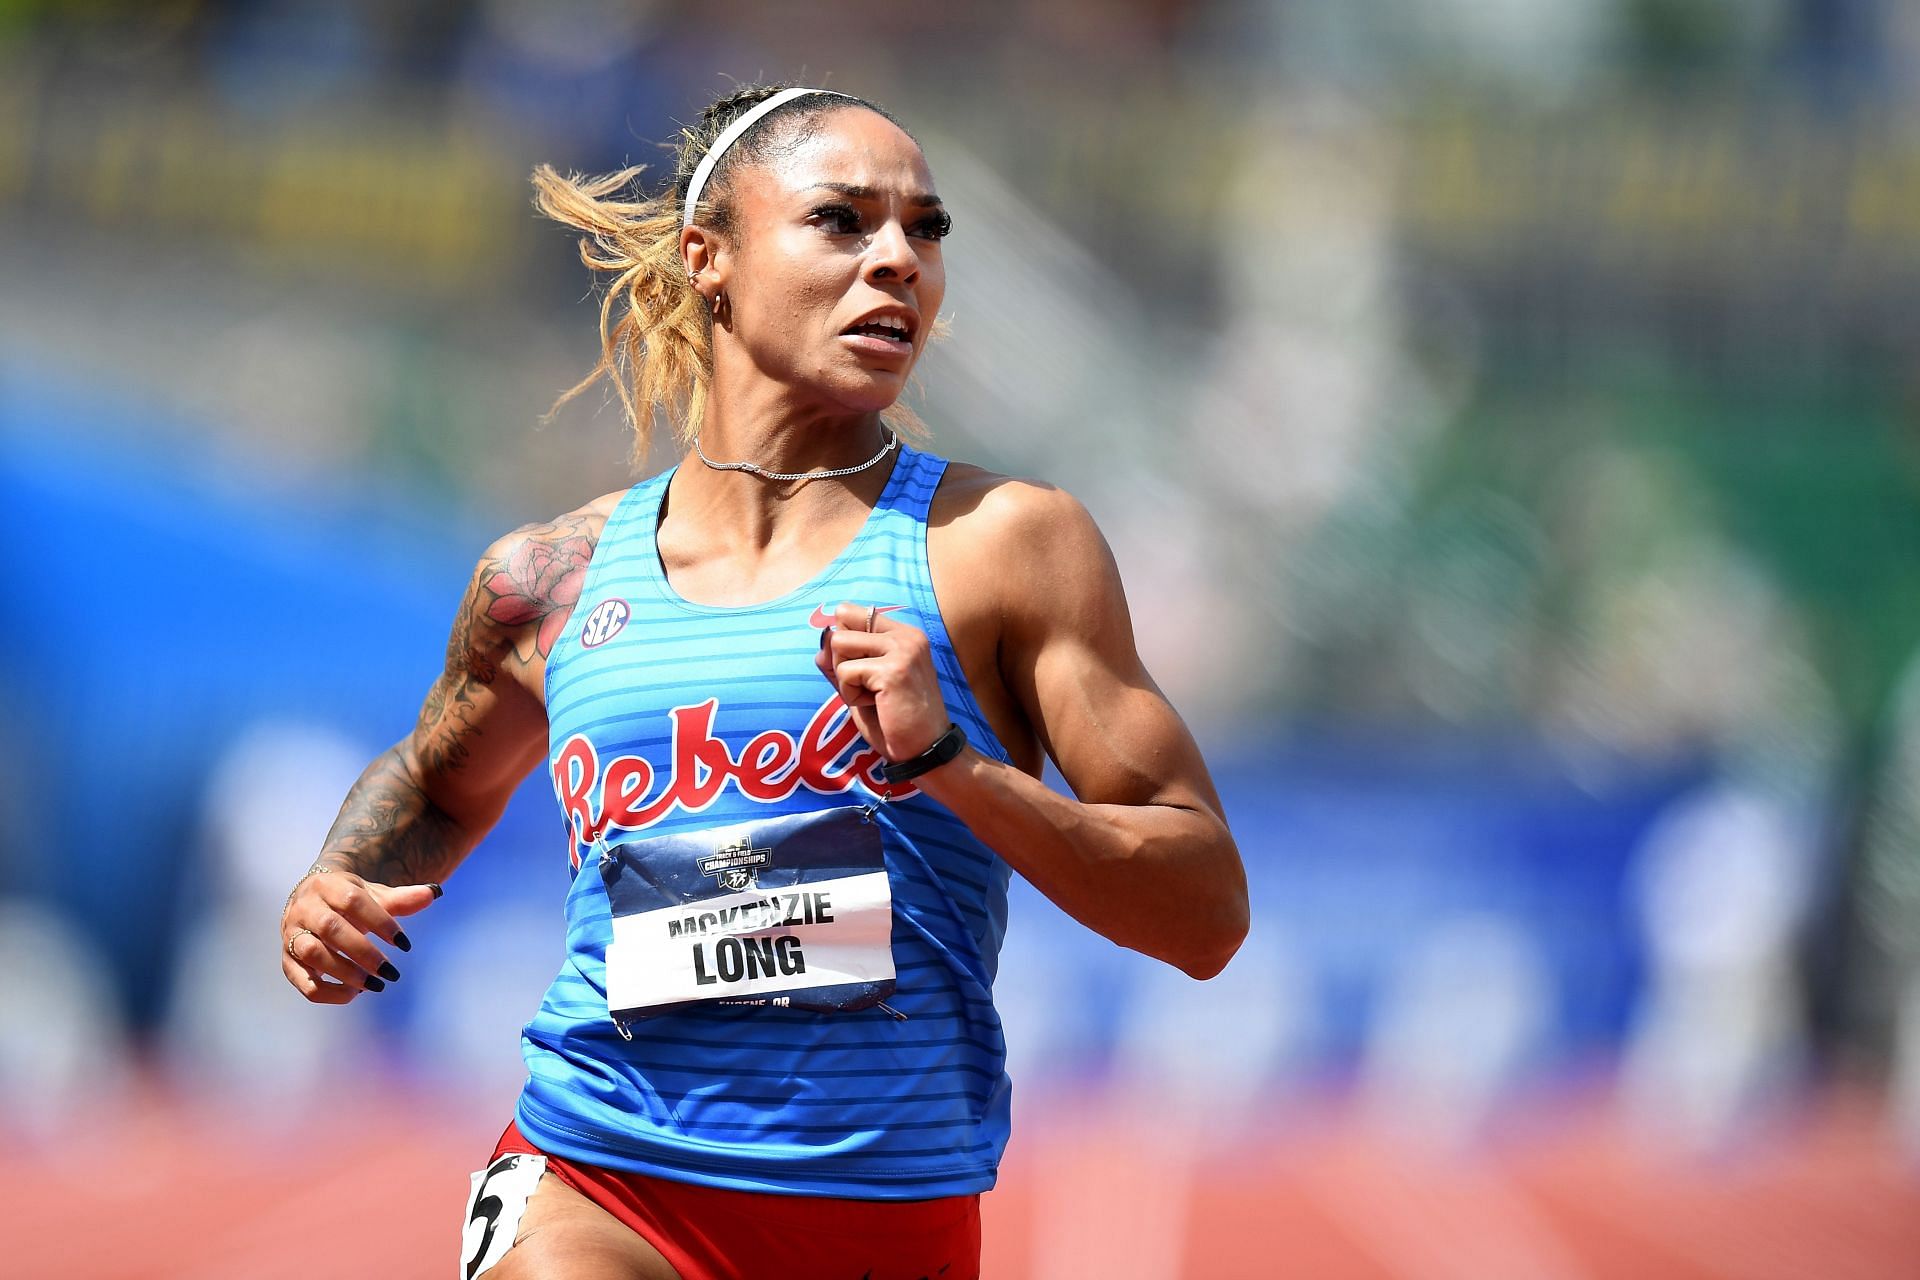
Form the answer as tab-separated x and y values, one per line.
765	474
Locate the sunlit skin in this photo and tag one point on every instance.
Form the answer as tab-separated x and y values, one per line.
826	232
829	231
846	222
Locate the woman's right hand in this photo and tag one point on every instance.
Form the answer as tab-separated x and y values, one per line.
421	805
328	928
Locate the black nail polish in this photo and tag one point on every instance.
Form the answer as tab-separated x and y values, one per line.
826	633
401	940
438	892
388	972
374	984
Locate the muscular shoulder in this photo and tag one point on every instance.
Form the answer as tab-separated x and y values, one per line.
1017	511
527	581
1037	547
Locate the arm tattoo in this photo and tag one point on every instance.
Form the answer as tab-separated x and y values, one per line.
516	605
390	831
542	577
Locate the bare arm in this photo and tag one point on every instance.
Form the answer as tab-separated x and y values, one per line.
1143	855
425	802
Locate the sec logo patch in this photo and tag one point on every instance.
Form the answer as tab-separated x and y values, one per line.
604	623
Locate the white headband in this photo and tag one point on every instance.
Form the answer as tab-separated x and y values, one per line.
730	135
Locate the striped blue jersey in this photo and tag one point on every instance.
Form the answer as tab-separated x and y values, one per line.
732	841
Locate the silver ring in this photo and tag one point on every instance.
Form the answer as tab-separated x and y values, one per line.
873	611
295	938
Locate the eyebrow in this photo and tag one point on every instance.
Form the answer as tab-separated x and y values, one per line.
854	191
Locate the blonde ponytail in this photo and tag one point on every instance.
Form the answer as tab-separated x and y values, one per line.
656	341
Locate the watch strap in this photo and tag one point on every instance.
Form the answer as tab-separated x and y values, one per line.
944	748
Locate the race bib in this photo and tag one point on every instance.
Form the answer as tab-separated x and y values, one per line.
495	1204
793	912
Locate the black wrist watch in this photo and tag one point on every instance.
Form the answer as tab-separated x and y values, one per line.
944	748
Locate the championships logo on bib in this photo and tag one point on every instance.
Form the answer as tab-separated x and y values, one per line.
733	865
820	940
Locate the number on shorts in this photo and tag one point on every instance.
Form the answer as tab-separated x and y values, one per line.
499	1197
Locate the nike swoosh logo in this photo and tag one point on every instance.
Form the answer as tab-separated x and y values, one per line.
824	617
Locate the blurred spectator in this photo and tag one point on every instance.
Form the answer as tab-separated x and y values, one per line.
64	1048
236	1035
1886	999
1723	888
1464	1014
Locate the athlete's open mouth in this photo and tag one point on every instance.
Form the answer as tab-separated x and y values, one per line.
893	324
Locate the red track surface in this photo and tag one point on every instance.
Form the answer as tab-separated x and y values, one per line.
160	1189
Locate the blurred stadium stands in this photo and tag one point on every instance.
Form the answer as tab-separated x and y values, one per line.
1506	418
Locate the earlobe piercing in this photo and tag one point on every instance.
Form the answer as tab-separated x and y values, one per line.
713	303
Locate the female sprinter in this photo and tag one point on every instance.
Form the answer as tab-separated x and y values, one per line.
793	697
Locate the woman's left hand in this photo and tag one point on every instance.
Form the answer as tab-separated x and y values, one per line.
883	669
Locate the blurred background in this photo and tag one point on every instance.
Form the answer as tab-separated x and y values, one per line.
1506	414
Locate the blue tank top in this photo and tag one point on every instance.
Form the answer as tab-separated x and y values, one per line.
677	727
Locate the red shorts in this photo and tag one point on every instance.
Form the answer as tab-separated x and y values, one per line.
711	1233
